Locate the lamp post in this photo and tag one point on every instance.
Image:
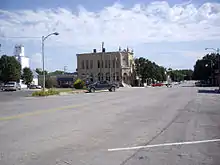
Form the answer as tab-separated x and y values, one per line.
218	61
43	39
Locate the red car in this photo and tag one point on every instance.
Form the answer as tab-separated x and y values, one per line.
157	85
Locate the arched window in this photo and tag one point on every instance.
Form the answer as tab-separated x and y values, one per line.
125	77
117	76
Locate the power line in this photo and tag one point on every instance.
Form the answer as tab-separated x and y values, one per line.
18	37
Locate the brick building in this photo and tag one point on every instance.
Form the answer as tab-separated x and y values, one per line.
111	66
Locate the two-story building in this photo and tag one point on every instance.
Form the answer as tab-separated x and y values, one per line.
111	66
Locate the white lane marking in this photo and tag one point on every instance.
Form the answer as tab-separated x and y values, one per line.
164	144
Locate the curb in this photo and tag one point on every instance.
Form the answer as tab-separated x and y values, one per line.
72	92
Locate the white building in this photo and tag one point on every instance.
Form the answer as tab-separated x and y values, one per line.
24	61
20	56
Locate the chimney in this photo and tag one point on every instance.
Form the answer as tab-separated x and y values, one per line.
119	49
94	50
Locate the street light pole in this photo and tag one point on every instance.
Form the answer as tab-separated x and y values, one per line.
43	63
43	39
218	61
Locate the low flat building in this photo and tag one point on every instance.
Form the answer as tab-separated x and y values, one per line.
111	66
60	81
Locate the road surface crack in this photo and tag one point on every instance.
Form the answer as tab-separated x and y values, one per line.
157	135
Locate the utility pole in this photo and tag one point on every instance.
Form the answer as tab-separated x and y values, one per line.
44	76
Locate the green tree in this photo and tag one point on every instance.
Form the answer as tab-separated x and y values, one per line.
40	72
180	75
10	69
48	82
205	68
146	69
27	76
57	72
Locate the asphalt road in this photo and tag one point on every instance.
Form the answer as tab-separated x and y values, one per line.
8	96
80	129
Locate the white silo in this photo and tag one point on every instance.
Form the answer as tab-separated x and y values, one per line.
20	56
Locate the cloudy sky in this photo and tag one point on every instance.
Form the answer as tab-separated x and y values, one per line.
172	33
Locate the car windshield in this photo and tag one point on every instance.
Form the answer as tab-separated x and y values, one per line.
10	83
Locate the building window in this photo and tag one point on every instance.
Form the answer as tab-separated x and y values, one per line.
98	64
109	63
117	64
106	64
113	63
91	64
99	77
102	77
87	64
91	77
102	64
82	64
107	76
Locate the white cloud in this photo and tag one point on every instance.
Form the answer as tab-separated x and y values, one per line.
36	61
116	25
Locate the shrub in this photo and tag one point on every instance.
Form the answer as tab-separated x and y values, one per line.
50	82
79	84
53	92
46	93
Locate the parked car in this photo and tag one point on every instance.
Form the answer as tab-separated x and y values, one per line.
202	84
157	85
102	85
116	84
11	86
1	86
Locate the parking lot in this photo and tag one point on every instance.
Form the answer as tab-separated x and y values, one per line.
104	128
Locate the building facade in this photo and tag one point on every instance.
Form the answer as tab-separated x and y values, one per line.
111	66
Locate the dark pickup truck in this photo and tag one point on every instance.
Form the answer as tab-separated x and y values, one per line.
102	85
